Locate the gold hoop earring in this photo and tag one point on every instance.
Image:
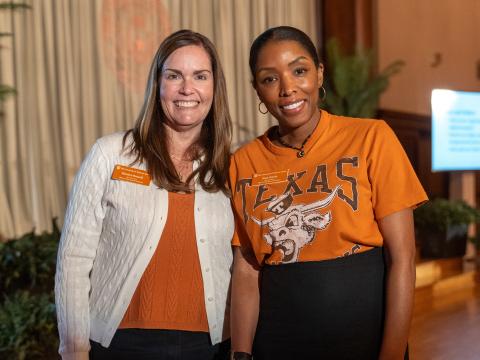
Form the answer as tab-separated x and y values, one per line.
260	108
322	98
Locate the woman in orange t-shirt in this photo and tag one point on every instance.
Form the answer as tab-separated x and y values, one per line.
323	208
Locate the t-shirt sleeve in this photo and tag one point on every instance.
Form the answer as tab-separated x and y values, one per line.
395	185
240	237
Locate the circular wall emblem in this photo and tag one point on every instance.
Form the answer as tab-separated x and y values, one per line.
132	30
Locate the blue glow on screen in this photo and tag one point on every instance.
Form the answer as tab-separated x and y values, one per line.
455	130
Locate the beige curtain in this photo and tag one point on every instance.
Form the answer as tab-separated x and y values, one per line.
80	66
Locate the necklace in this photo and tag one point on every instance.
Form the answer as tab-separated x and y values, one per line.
300	151
182	166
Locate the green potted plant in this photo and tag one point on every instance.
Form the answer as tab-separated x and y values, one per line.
352	87
28	326
442	227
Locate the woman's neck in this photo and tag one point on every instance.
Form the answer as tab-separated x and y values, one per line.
180	143
296	136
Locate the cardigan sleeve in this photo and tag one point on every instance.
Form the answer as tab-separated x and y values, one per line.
77	249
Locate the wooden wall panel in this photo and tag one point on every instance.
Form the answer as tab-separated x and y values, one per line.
350	21
439	42
414	132
357	23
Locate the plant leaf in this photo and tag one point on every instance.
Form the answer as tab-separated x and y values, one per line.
14	6
6	91
352	89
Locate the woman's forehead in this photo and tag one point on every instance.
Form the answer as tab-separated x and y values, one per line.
189	57
283	51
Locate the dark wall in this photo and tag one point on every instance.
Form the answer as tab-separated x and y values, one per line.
414	132
349	21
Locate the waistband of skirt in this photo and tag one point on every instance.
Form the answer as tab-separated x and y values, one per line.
370	257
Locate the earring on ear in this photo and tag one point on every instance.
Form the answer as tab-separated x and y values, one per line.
260	108
322	98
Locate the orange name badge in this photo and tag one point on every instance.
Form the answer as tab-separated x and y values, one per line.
125	173
269	178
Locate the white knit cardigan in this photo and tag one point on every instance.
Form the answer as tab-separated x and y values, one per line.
110	233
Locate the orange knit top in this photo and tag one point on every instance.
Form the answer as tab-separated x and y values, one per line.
170	292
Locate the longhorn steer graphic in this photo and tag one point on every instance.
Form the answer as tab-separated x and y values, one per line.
295	226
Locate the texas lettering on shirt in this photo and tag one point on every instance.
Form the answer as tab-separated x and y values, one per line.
289	222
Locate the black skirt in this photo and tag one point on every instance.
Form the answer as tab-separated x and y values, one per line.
160	344
331	309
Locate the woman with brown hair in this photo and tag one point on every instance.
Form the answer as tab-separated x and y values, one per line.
144	260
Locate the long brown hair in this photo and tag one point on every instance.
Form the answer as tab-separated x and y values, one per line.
149	137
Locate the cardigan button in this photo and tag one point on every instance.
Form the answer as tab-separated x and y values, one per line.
210	299
202	240
207	269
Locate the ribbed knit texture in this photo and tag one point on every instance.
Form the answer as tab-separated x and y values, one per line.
110	233
170	293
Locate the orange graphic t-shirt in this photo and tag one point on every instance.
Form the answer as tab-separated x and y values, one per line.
325	204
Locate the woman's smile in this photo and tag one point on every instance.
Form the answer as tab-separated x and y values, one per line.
287	82
292	108
186	103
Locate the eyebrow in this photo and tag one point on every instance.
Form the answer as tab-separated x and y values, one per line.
180	73
289	64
